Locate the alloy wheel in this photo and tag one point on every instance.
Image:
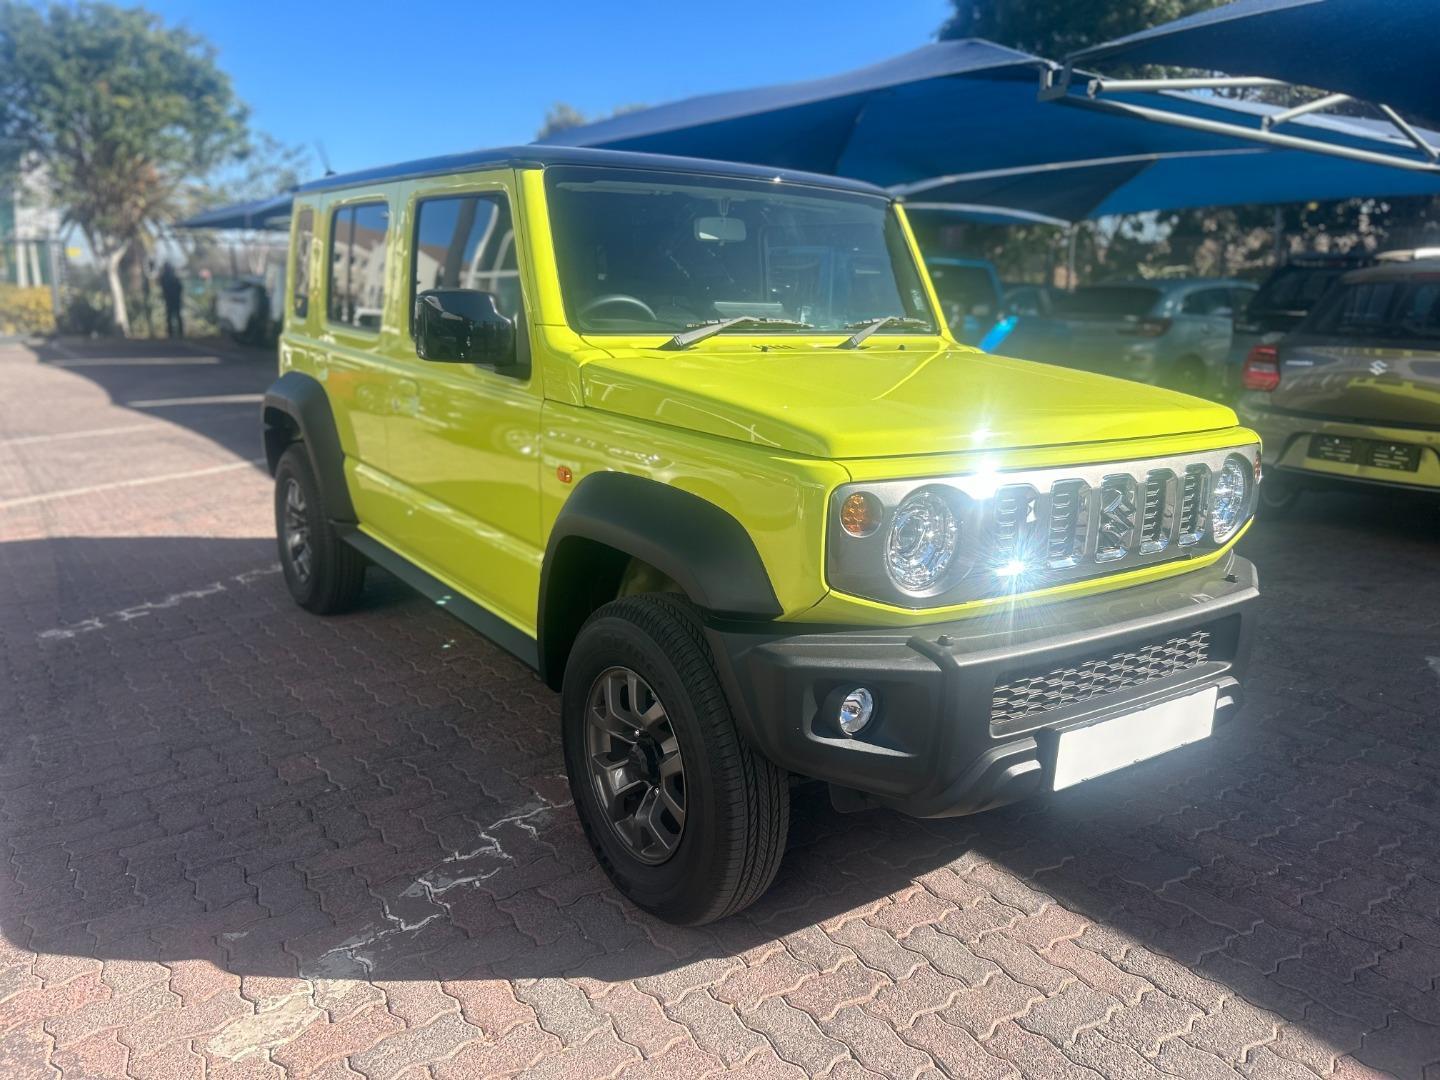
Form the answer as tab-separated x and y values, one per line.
297	530
635	765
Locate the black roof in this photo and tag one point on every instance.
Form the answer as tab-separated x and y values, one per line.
537	156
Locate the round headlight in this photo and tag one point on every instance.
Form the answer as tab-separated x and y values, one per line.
1229	497
922	540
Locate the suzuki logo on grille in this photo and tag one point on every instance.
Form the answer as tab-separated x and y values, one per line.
1117	518
1378	367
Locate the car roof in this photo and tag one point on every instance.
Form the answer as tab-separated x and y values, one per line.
1394	271
544	156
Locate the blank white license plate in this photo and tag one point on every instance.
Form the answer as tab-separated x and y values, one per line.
1112	744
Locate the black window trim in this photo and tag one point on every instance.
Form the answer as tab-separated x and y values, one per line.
336	209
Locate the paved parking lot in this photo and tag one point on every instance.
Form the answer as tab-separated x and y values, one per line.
243	841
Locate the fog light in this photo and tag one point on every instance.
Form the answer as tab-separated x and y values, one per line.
856	710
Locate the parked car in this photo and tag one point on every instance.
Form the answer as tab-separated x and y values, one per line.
969	291
692	440
1353	394
1038	301
245	311
1168	332
1283	300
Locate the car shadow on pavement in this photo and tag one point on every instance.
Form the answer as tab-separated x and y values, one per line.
194	769
208	387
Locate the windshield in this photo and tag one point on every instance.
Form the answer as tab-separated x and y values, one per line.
1400	311
1108	301
643	252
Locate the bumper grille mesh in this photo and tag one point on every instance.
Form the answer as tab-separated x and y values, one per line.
1027	695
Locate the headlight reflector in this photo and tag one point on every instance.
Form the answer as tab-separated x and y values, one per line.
922	541
1229	496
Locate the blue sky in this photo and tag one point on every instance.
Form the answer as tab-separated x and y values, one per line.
381	82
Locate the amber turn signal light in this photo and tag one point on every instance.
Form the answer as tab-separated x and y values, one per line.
860	514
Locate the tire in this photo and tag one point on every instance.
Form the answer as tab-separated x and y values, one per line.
736	803
1277	494
329	577
1189	377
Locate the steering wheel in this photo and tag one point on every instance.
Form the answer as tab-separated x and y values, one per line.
618	298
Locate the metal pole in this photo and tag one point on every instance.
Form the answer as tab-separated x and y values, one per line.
1070	255
1101	86
1318	105
52	247
1278	229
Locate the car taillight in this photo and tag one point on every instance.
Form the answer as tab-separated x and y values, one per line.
1262	369
1149	328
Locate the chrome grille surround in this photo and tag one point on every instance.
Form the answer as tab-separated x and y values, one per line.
1065	524
1023	696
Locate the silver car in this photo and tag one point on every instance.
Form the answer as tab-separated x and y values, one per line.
1173	333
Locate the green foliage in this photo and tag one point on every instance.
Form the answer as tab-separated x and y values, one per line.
25	311
120	110
1053	28
562	116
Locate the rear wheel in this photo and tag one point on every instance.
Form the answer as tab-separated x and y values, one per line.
685	817
1188	376
324	574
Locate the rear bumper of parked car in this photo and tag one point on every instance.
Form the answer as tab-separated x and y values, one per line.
963	720
1287	440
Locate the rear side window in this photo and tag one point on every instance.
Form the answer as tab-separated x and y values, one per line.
357	265
304	232
468	242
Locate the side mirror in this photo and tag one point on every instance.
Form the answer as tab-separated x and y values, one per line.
463	326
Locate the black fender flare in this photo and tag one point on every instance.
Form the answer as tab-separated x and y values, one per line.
297	407
695	543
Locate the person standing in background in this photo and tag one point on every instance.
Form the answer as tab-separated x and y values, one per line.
173	292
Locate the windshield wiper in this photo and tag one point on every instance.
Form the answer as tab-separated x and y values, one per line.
701	331
864	329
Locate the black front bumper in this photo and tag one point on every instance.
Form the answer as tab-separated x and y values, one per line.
942	743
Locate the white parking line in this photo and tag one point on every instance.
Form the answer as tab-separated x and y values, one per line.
92	433
30	500
205	399
135	361
140	610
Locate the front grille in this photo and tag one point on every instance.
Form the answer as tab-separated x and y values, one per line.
1026	530
1026	695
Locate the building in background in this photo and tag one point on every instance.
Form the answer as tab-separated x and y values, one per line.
29	227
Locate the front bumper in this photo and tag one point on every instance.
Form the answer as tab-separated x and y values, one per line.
942	743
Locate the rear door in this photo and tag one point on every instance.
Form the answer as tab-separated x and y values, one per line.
1371	355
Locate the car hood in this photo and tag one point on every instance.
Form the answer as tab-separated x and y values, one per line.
883	400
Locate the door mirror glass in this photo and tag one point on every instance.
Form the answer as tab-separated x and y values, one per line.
463	326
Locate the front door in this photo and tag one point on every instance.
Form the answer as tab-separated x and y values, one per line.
465	439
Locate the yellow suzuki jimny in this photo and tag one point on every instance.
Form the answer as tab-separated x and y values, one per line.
692	440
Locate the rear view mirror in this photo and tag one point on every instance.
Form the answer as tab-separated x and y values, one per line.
722	230
463	326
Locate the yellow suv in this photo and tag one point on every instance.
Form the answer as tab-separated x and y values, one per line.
691	439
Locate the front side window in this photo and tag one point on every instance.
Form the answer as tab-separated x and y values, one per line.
304	232
468	242
357	265
642	252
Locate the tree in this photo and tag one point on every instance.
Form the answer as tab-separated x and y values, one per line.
1054	28
122	112
562	116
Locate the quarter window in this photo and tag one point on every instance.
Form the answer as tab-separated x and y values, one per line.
357	265
304	232
468	242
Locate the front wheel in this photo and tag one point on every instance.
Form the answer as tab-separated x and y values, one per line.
1277	494
688	821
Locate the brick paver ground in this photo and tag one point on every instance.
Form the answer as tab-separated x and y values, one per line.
242	841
